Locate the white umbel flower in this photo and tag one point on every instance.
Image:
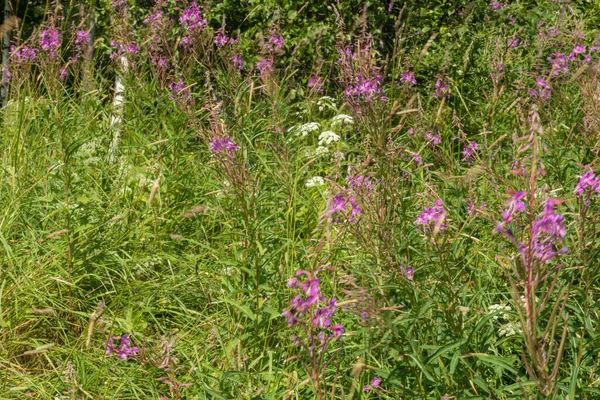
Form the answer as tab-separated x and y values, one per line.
315	181
321	150
305	129
342	119
507	330
328	137
500	310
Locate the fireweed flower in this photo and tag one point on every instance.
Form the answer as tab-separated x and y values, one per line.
223	146
124	349
469	151
408	78
441	89
515	204
542	91
238	62
274	42
179	91
548	233
496	5
433	138
191	19
374	384
365	89
409	272
560	63
359	183
311	310
344	205
581	49
82	37
50	42
264	66
24	55
221	40
434	215
63	74
315	83
586	180
513	43
417	159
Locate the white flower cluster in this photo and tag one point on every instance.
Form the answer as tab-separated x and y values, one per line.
507	330
342	119
326	102
305	129
499	310
315	181
321	150
328	137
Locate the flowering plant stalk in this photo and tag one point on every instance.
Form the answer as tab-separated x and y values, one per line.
534	276
311	311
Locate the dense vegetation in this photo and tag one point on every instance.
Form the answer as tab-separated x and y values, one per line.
298	200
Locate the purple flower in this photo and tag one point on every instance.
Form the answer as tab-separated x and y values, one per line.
82	37
338	204
434	214
316	83
410	273
500	67
560	63
548	231
191	19
50	42
221	40
359	183
276	41
63	74
376	382
470	150
586	180
223	145
313	303
496	5
513	43
515	204
365	89
441	89
180	91
337	331
576	51
24	55
132	48
238	61
154	18
434	138
408	78
264	66
417	159
124	349
542	90
355	210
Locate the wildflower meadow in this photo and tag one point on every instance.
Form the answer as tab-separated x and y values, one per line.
300	200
